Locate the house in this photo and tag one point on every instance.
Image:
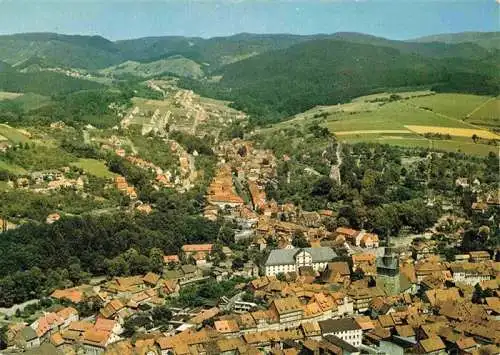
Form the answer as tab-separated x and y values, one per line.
108	325
479	256
365	262
347	348
167	259
75	295
52	218
28	338
95	341
111	308
432	345
197	251
151	279
290	260
369	240
229	327
67	315
47	324
470	273
289	310
336	272
348	234
311	330
345	328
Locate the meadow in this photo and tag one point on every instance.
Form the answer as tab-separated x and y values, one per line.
94	167
407	122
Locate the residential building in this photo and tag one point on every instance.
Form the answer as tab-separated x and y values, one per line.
289	310
479	256
290	260
346	329
470	273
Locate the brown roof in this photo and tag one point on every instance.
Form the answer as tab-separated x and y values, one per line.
466	343
434	343
405	330
287	305
96	337
226	326
56	339
151	278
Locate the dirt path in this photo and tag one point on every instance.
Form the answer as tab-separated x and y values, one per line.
480	107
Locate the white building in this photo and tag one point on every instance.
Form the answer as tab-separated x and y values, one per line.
290	260
346	329
470	273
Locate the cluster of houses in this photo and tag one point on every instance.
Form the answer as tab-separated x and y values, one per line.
309	301
49	180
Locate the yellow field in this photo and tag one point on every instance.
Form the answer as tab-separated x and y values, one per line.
458	132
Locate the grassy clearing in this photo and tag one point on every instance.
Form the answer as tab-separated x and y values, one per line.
453	105
4	95
392	116
94	167
12	134
454	145
487	115
460	132
12	168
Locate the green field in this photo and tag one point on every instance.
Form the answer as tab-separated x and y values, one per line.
362	121
391	116
453	145
453	105
94	167
4	95
11	168
487	115
12	134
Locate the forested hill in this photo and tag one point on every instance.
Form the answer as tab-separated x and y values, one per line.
488	40
330	71
89	52
95	52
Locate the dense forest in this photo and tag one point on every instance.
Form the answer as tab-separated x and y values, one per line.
114	244
281	83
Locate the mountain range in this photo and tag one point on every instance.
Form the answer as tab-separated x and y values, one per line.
277	74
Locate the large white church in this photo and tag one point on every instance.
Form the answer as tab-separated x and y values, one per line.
290	260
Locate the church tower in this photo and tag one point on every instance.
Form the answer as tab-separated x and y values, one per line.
388	271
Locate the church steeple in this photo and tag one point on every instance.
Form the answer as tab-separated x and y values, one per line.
388	269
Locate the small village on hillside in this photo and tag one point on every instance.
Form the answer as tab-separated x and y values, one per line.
176	181
302	287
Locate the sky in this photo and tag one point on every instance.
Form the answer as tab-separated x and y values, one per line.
123	19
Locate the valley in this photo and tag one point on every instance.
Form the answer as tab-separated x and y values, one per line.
250	194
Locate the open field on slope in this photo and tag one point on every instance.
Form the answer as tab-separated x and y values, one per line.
12	134
454	105
4	95
391	116
487	114
11	168
404	122
94	167
459	132
453	145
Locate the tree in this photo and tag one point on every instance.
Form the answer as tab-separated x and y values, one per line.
281	276
322	186
156	260
475	138
299	241
161	315
238	263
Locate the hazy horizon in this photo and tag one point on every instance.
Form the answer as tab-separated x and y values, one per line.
118	20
